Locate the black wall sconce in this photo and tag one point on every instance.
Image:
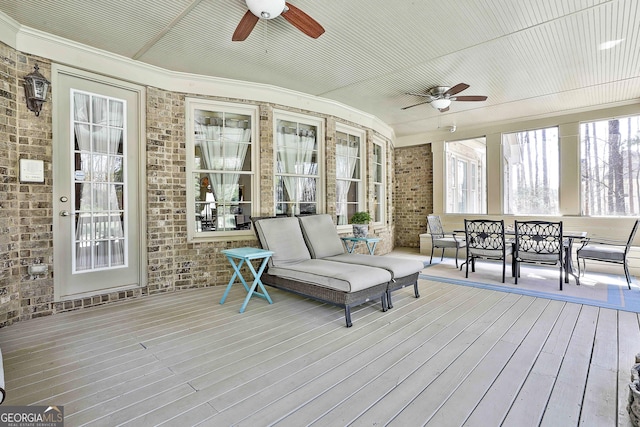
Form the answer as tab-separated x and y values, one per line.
36	88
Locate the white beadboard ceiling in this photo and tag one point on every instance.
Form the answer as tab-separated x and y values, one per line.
531	58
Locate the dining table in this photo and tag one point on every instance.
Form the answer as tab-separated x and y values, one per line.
569	239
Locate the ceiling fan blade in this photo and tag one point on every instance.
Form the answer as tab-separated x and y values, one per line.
456	89
415	105
469	98
442	110
302	21
244	28
425	95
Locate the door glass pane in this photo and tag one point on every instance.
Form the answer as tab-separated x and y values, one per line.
98	180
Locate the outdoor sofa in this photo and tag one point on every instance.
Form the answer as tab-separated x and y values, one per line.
309	259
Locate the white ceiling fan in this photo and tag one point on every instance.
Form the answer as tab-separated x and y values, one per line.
440	97
271	9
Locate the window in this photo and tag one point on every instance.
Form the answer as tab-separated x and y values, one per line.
465	182
610	167
220	167
297	174
531	172
379	179
348	173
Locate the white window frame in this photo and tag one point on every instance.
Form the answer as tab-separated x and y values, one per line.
383	183
506	184
627	161
361	135
191	105
320	139
474	186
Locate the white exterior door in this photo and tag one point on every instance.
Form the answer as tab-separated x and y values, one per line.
97	226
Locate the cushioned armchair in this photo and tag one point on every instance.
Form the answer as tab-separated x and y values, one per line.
442	240
608	251
539	242
485	239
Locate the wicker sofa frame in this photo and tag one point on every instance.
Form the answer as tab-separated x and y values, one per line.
346	300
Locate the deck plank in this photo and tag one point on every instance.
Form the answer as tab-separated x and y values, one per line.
340	361
429	362
628	347
456	355
494	347
600	397
397	346
565	402
527	399
244	382
502	371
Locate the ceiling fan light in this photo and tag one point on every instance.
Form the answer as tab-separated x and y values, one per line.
440	103
266	9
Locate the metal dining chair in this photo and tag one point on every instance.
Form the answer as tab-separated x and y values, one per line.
606	250
440	239
539	242
485	239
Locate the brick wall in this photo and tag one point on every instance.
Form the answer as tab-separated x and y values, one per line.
9	205
413	193
26	221
35	199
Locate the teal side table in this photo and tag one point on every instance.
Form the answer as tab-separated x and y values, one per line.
237	257
351	242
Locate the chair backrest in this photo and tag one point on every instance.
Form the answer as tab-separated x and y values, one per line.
435	226
320	233
484	234
284	237
632	235
539	238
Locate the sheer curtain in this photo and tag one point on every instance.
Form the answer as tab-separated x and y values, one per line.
346	160
223	149
98	126
294	156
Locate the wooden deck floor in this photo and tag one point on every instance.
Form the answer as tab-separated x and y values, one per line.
455	356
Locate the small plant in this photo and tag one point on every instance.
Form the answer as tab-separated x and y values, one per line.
361	218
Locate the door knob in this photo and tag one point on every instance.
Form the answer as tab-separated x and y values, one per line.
64	213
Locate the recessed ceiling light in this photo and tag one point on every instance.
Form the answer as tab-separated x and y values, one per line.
610	44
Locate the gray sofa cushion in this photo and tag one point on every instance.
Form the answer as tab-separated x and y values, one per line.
323	242
398	267
321	236
334	275
283	236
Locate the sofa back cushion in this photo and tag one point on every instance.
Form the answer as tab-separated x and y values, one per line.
283	236
321	236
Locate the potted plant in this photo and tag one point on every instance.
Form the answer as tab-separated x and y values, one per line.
360	221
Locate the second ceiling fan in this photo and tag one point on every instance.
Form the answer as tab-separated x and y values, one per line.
270	9
440	97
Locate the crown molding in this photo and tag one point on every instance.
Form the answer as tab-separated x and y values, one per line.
72	54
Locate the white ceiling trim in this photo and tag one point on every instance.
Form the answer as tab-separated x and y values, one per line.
69	53
442	133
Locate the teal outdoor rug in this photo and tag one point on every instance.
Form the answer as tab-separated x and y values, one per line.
601	290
